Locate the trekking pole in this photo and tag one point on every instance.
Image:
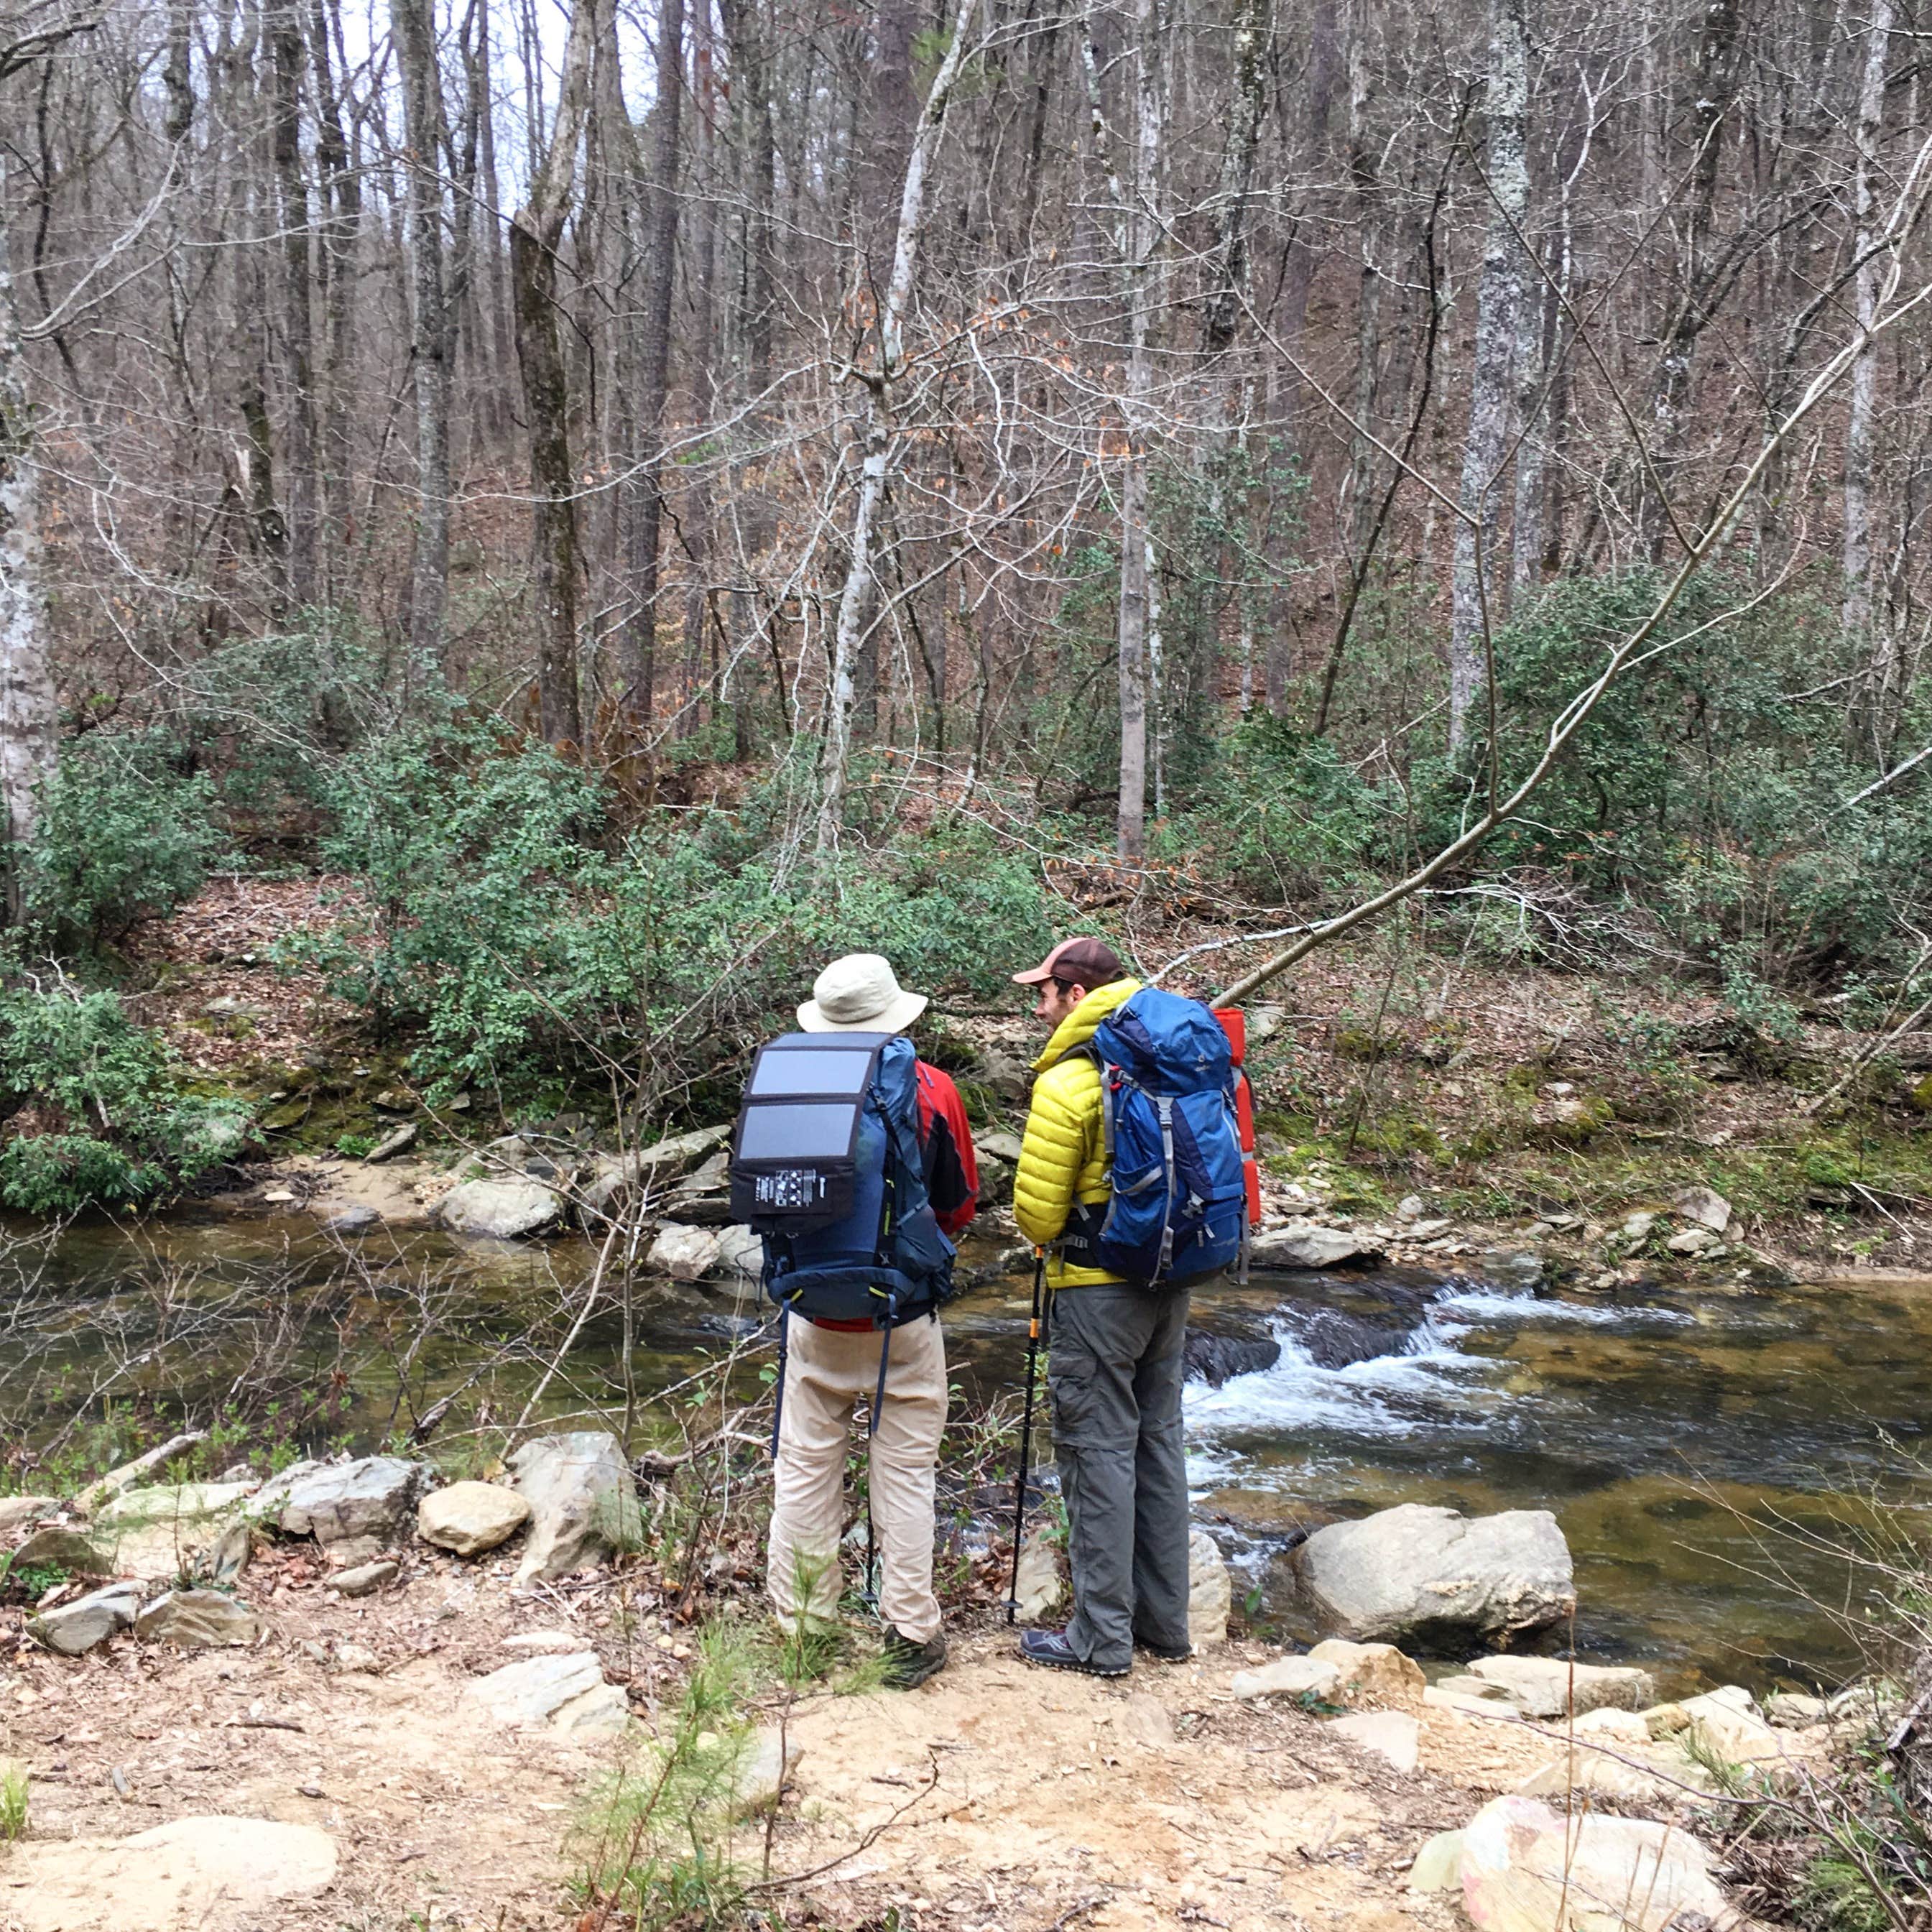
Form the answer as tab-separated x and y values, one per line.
1026	1431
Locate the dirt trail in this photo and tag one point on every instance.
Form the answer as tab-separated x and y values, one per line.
1008	1797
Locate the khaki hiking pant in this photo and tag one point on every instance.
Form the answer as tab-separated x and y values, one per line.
827	1374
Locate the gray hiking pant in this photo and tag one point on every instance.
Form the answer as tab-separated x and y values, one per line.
1114	1373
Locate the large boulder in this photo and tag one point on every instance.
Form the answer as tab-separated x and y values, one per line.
369	1500
503	1210
1548	1687
195	1531
58	1548
582	1499
1423	1574
1289	1677
469	1518
190	1873
1307	1244
1526	1868
1210	1592
1215	1359
741	1254
654	1169
72	1629
19	1513
560	1693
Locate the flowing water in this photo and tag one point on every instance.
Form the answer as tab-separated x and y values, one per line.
1706	1449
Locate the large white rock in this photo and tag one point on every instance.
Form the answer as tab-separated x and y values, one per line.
191	1873
582	1499
1527	1869
1548	1687
71	1629
1288	1677
562	1693
19	1513
684	1253
502	1210
1374	1673
1307	1244
1210	1591
469	1518
1706	1206
1432	1575
740	1252
196	1530
373	1497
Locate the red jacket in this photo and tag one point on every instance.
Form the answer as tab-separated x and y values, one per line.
942	1120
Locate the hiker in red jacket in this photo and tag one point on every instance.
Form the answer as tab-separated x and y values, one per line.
832	1365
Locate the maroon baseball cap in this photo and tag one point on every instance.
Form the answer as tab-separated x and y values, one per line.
1080	962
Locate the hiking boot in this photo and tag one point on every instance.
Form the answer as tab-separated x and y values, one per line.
1163	1653
908	1664
1050	1647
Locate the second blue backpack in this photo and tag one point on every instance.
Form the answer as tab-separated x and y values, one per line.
1178	1209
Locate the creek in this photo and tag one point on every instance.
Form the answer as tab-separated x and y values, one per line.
1708	1451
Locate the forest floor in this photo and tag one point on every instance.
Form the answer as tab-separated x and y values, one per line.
1152	1801
1496	1096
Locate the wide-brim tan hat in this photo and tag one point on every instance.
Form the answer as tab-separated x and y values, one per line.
860	994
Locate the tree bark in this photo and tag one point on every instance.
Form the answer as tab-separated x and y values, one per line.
1857	607
288	55
875	439
1499	299
28	710
415	26
645	507
534	232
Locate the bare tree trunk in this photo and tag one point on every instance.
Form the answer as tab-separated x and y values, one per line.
535	232
875	437
415	26
28	710
341	194
1857	609
288	55
1498	300
639	665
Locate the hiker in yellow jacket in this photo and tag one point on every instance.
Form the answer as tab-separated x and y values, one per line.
1114	1365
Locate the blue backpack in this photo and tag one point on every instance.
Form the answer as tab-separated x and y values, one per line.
826	1168
1179	1209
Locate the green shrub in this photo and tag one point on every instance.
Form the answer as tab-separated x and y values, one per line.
92	1118
124	832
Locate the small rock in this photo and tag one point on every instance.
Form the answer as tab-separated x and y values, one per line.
1693	1241
398	1141
683	1253
654	1169
393	1100
347	1654
1374	1673
471	1517
1548	1687
71	1629
197	1620
1289	1677
1438	1865
1612	1726
566	1692
1519	1268
1411	1207
1793	1712
741	1253
1000	1145
68	1550
1706	1206
583	1502
365	1579
1527	1869
355	1217
1307	1244
502	1210
1210	1593
18	1513
1042	1575
760	1780
1392	1735
1639	1227
1007	1076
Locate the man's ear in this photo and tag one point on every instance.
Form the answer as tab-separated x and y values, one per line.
1076	992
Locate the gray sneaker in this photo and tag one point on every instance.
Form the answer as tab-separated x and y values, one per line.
908	1664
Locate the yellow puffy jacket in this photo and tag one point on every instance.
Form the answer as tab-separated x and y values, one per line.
1062	1158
